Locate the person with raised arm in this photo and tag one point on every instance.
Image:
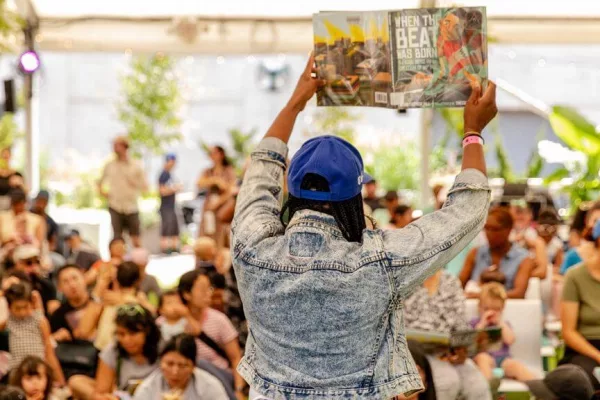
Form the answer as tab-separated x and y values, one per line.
323	294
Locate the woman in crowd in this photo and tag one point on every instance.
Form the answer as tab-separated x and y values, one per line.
132	357
439	306
218	341
547	230
573	257
9	178
580	307
500	260
219	182
179	377
20	226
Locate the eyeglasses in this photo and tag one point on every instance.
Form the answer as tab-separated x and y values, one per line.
31	261
130	310
546	228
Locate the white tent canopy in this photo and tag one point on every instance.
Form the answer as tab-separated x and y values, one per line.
244	27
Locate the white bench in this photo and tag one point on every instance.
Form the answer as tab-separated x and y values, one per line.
525	317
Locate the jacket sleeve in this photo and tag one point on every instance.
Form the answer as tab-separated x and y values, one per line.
428	244
259	200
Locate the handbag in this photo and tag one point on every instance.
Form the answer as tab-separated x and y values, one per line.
78	357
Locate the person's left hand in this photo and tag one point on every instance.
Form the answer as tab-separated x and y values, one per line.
306	87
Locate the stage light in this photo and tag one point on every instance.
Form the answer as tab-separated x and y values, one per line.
29	62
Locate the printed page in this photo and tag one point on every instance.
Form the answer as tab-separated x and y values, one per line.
438	55
352	53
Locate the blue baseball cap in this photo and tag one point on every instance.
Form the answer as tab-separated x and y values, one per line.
171	157
336	160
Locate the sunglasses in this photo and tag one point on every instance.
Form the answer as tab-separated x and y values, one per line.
31	261
130	310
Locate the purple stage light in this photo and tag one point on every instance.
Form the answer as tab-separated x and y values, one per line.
29	62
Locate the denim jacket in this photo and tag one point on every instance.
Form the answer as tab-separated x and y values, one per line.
325	315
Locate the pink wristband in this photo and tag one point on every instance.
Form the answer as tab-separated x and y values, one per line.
473	139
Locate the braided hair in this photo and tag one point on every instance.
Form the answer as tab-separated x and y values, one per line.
349	214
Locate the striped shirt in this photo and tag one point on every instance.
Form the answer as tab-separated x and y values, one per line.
219	328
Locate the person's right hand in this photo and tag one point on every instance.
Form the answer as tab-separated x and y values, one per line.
306	87
480	110
62	335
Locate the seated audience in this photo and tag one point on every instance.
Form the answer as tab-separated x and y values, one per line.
580	308
402	217
40	204
578	224
205	250
35	377
27	260
547	229
420	358
148	283
491	306
79	252
28	330
572	257
499	261
113	293
20	226
439	306
565	382
9	178
117	251
175	317
126	361
370	194
383	216
179	377
77	302
218	342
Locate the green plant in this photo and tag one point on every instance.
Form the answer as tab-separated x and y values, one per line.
580	135
10	26
150	105
337	121
395	167
9	130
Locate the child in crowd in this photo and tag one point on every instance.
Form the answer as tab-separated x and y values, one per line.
491	305
29	331
172	320
205	250
35	377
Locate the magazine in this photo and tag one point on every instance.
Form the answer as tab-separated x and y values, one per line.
475	340
401	59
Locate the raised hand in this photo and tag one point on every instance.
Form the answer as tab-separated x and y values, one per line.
480	110
306	87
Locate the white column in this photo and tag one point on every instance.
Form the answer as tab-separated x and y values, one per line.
425	147
32	136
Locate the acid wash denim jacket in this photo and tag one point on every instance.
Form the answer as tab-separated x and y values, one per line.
325	315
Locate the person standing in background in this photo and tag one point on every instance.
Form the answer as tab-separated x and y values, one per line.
9	179
40	204
169	226
126	181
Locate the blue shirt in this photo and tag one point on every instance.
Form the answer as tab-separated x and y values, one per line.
166	202
509	265
572	258
326	315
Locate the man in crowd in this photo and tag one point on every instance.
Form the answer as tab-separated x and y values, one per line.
402	217
126	180
148	283
65	320
40	203
80	253
371	199
27	260
169	228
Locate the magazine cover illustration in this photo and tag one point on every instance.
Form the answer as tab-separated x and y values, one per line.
352	53
438	55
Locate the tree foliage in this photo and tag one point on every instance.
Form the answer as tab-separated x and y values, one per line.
10	26
337	121
150	105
